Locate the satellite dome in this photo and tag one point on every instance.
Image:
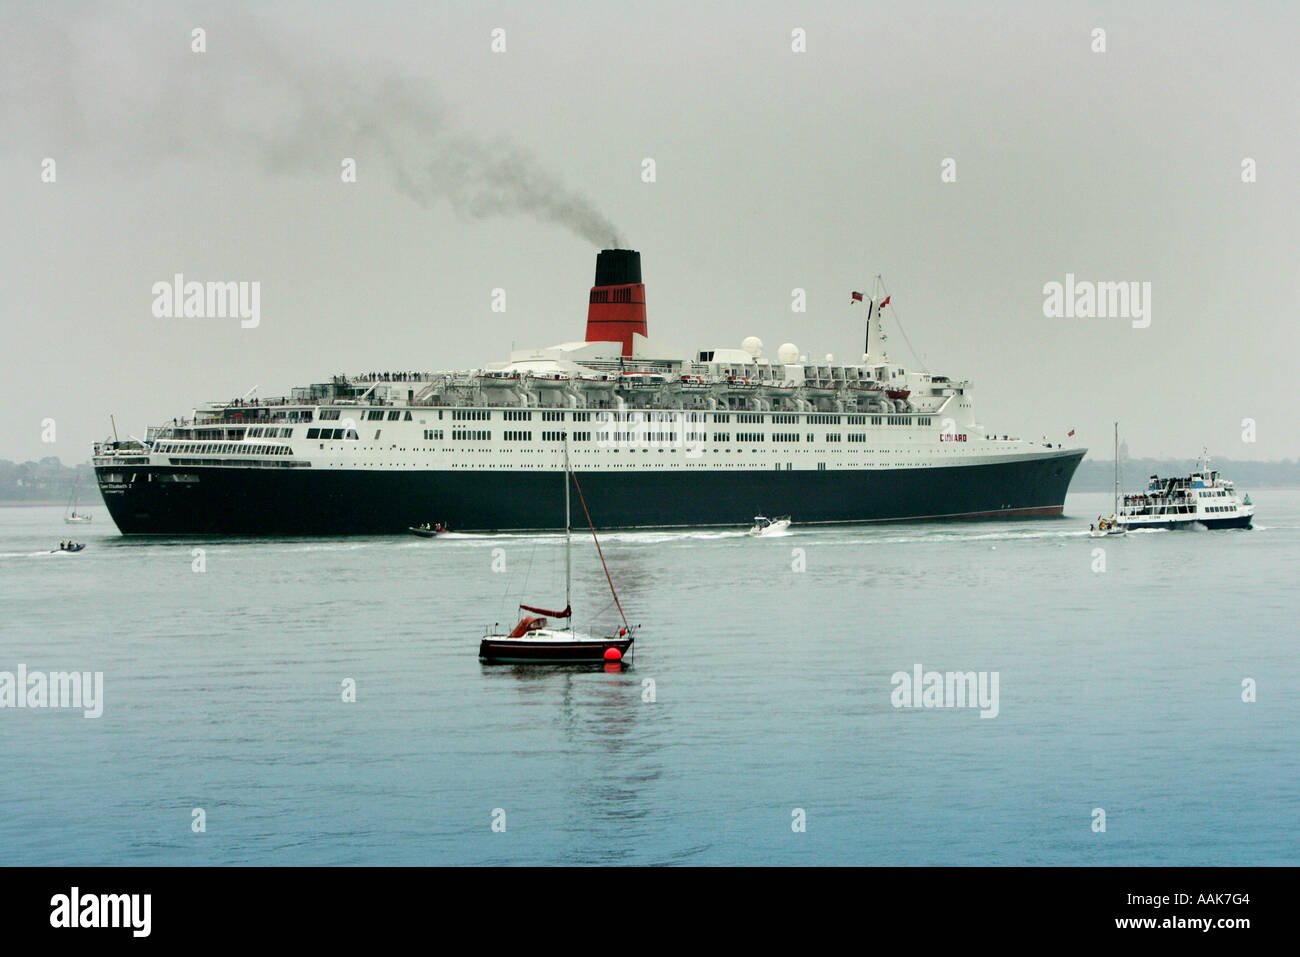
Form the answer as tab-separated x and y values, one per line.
830	357
788	353
753	345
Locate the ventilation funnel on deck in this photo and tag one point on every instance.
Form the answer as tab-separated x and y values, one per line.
616	308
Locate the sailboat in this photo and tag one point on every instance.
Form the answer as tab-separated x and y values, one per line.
534	641
1111	526
71	516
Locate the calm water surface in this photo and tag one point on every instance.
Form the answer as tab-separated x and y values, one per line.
1118	689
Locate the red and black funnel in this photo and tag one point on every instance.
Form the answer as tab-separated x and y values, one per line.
616	308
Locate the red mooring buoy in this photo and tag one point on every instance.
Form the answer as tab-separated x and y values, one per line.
613	654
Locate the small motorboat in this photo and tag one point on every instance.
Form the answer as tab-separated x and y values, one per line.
68	547
769	526
426	530
1106	527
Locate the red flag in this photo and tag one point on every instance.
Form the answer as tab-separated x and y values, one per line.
1070	433
857	297
885	302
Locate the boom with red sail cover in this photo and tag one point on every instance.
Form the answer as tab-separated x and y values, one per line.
568	611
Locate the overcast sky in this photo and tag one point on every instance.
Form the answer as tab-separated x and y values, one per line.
775	170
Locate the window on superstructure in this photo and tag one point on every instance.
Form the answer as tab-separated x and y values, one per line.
394	416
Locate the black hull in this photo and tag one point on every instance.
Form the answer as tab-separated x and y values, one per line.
1237	521
530	651
249	501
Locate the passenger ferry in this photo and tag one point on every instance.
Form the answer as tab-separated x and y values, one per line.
660	437
1202	498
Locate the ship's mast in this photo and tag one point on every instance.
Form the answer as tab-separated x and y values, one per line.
873	348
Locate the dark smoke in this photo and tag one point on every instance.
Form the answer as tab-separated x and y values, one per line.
136	90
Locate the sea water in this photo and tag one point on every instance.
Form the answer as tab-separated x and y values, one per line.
320	701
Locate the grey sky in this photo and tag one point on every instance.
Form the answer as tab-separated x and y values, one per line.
775	170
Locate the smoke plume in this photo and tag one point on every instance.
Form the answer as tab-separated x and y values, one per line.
137	90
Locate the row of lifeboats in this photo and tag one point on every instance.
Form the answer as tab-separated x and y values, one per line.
687	381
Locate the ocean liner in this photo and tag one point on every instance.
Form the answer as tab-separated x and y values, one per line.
661	438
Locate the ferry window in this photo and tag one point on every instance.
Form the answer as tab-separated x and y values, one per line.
352	434
394	415
313	433
407	417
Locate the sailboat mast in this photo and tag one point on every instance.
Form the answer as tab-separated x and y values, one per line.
568	558
1115	503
